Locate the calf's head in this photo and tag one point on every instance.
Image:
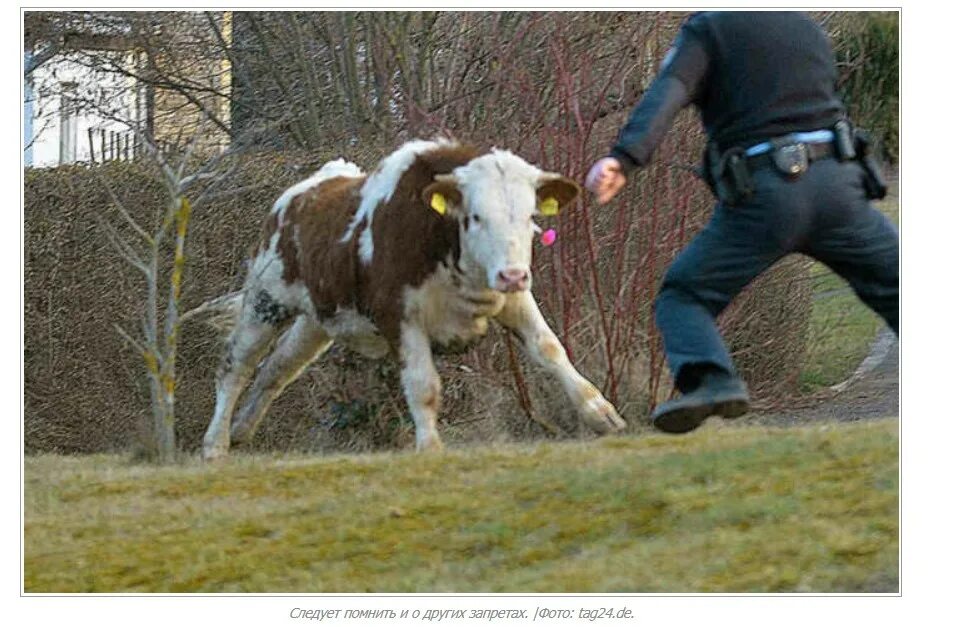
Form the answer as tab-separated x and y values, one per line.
495	199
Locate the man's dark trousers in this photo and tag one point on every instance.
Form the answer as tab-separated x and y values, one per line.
823	214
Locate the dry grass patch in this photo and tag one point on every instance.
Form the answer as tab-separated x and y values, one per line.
724	509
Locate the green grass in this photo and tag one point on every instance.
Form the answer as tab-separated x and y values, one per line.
842	328
840	334
723	509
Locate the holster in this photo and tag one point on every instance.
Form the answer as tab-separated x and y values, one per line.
727	174
874	184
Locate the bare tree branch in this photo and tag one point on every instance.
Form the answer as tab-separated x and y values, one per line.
122	210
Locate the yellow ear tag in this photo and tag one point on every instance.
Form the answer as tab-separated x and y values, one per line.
548	207
438	203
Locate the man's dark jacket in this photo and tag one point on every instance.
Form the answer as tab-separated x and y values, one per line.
752	75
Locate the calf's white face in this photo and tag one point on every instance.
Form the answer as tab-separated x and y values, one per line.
496	198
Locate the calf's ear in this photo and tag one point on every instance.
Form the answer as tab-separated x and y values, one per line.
443	195
555	192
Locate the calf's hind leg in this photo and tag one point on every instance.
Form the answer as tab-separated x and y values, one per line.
302	344
246	345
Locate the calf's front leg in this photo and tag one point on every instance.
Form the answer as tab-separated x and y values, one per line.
421	385
522	316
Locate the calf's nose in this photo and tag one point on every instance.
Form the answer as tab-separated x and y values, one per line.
513	279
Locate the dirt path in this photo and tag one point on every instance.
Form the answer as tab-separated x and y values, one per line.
871	393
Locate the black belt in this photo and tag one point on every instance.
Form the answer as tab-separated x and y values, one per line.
815	151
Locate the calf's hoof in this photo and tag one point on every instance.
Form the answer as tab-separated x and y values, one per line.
241	433
215	448
601	416
429	444
215	453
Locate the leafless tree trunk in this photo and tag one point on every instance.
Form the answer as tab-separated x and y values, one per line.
159	334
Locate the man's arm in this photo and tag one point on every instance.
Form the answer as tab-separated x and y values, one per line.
649	122
682	76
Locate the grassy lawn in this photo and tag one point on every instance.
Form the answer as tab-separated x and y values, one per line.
840	335
842	327
723	509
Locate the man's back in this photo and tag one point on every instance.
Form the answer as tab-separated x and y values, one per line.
770	73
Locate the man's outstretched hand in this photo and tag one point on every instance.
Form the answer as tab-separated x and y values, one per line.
605	179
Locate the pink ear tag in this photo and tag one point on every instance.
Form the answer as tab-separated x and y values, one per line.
548	237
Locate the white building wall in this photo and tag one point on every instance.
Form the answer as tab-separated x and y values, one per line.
27	117
105	101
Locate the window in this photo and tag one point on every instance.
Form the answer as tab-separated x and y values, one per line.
28	122
68	122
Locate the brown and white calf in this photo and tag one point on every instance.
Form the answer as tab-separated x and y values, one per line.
424	251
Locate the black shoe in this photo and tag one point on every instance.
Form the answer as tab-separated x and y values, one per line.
724	396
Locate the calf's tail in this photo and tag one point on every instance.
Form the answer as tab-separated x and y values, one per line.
220	313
